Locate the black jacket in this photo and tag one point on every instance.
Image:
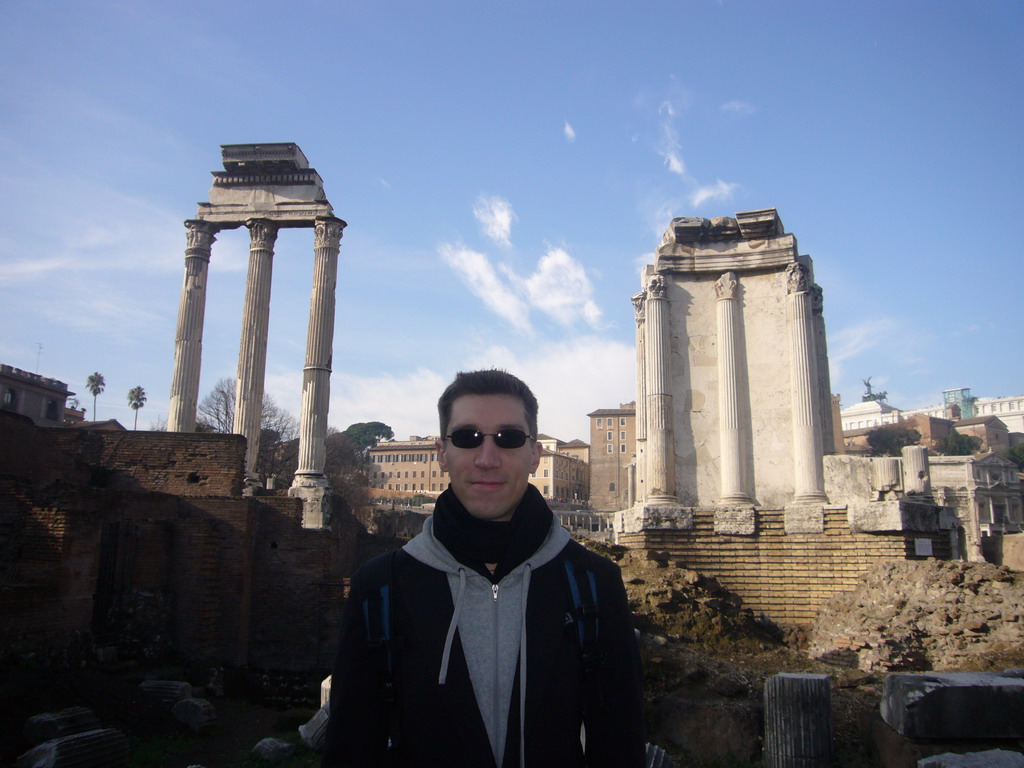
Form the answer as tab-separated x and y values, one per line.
440	726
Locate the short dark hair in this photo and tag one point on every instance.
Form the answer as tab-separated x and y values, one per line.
489	382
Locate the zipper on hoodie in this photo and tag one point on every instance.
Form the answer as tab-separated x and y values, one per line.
495	665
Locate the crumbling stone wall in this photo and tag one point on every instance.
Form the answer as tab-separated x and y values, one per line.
786	576
88	548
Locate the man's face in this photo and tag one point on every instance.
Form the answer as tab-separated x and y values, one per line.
488	480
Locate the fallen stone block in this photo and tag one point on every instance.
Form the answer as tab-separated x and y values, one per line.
167	691
957	705
100	748
53	725
314	732
658	758
325	690
894	750
197	714
273	750
993	758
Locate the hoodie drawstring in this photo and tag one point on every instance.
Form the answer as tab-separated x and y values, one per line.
443	676
522	668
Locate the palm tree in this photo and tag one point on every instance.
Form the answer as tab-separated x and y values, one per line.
136	399
95	385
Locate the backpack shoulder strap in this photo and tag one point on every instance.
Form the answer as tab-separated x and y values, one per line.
582	585
382	638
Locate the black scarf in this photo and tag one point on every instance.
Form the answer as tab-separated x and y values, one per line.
474	542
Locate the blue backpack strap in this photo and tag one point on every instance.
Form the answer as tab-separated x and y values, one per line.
586	613
384	642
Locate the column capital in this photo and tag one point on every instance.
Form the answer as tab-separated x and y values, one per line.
262	232
200	234
328	231
638	306
657	288
727	287
796	278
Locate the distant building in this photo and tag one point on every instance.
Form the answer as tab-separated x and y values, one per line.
38	397
612	454
560	476
407	465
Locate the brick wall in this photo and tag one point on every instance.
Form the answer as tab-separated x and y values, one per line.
93	541
786	576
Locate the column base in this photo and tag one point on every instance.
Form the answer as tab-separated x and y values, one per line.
804	517
735	520
315	493
659	513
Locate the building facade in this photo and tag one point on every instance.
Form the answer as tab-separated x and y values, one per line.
612	457
560	476
408	466
40	398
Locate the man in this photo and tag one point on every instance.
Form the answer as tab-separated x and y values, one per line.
493	652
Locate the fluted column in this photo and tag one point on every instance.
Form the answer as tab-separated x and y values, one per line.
188	339
640	422
808	478
660	458
252	352
316	379
730	427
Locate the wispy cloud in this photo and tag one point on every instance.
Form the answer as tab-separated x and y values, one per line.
738	108
561	289
720	191
495	215
476	271
569	131
670	150
854	340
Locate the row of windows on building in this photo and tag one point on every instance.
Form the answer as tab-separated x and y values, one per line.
611	448
389	458
611	435
51	408
610	420
423	473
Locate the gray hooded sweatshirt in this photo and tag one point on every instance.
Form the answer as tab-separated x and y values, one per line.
491	622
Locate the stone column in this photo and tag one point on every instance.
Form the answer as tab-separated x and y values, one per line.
188	340
809	481
660	458
252	352
316	378
640	420
731	432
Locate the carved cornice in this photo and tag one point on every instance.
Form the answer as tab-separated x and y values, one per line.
657	288
727	287
199	237
262	233
796	278
328	232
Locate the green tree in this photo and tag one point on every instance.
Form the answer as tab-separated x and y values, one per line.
889	439
1016	455
955	444
367	434
136	399
95	384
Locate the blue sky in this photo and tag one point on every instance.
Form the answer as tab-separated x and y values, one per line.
505	169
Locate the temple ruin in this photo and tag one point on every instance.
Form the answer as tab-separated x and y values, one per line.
734	472
263	187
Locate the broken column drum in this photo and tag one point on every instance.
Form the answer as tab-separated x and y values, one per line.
265	188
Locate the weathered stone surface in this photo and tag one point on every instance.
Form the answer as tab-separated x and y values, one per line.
916	616
53	725
735	521
167	691
958	705
804	518
798	721
273	750
197	714
314	732
710	730
993	758
100	748
645	517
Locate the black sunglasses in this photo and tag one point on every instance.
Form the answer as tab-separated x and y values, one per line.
503	438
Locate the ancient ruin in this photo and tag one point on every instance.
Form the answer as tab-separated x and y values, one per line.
263	187
734	428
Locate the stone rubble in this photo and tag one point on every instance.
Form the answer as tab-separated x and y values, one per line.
924	615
